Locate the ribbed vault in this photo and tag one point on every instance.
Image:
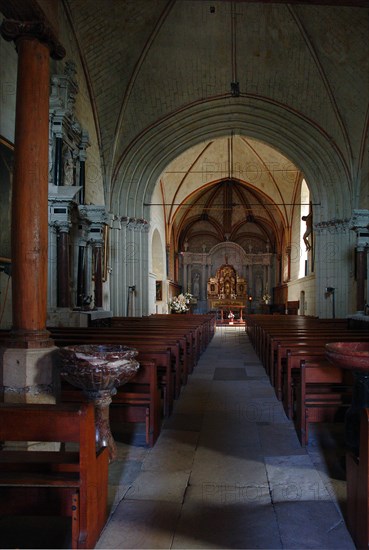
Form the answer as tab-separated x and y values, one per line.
299	140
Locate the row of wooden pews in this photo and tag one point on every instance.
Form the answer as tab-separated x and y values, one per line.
292	349
75	484
171	343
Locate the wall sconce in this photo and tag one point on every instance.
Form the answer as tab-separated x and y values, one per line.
235	89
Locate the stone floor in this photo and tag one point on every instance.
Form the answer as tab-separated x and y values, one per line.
226	472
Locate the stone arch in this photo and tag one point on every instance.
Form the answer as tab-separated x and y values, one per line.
236	255
291	133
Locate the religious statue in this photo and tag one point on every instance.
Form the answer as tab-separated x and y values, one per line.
196	286
68	169
309	227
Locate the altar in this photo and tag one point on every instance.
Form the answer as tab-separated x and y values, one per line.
227	293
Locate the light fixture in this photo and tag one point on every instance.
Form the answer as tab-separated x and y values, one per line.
235	89
235	85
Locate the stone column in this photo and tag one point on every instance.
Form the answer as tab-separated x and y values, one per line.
81	275
251	278
82	165
98	274
27	363
97	217
58	160
62	220
359	223
360	275
63	292
52	271
203	279
185	282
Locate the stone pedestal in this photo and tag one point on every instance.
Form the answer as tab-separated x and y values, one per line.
28	375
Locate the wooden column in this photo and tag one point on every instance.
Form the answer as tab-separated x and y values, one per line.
30	182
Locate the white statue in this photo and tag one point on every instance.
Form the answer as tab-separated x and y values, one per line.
68	169
196	286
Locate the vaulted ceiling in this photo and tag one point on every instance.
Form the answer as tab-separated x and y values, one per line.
232	188
151	62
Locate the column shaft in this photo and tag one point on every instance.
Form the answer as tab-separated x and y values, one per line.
98	276
81	275
63	270
360	266
30	190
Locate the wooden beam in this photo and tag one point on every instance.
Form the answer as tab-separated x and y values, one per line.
332	3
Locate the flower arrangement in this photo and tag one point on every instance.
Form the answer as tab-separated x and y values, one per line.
266	297
181	303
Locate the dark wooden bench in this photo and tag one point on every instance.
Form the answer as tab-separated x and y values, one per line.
283	345
64	483
139	339
147	351
292	365
357	477
139	401
322	392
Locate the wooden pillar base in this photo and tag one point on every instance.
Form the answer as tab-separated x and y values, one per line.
29	339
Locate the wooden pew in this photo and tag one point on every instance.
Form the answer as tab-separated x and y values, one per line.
313	340
142	340
147	351
357	477
139	401
292	366
70	483
322	393
163	328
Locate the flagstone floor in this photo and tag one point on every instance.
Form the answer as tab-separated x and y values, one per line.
228	470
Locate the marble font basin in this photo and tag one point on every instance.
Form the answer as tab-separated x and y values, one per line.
99	370
96	368
349	355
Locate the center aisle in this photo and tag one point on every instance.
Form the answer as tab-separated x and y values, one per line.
227	470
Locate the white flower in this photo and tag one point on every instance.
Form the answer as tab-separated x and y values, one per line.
180	303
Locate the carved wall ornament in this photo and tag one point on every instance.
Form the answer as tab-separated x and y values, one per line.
335	225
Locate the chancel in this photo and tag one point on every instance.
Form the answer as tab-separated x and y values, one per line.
227	292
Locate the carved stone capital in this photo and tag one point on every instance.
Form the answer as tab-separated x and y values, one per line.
16	30
333	226
135	224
